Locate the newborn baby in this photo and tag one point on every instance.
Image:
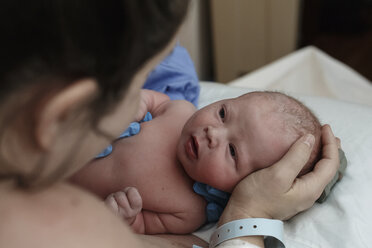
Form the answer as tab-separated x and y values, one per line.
148	178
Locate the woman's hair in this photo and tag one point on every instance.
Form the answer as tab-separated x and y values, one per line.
65	40
49	44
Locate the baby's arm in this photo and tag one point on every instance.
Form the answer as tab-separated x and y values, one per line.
128	205
151	101
180	214
176	223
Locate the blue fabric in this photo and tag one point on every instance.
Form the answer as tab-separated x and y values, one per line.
216	200
133	129
176	77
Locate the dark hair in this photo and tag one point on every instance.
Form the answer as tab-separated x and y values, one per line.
71	39
49	44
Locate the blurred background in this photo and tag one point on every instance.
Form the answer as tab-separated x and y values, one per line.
230	38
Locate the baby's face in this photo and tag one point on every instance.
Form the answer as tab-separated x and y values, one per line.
227	140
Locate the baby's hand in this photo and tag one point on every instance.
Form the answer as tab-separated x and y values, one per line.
126	203
150	101
142	110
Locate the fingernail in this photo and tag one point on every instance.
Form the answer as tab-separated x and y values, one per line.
309	140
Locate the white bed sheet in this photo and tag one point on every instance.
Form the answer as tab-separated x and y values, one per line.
310	71
344	220
341	97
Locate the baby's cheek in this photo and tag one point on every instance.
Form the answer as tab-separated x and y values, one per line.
222	180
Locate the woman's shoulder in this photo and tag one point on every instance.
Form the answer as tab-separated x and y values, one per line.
60	216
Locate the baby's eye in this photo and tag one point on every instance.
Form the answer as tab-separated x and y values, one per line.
222	113
232	151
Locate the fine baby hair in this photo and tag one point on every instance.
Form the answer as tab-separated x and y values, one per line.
297	120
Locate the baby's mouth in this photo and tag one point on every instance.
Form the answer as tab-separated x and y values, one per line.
195	145
191	148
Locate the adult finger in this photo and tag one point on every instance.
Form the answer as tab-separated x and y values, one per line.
338	142
286	170
323	172
330	146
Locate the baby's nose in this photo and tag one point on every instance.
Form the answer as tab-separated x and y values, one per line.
214	135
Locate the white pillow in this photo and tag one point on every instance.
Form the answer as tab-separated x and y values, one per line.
345	219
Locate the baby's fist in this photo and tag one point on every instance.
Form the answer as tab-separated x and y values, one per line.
126	203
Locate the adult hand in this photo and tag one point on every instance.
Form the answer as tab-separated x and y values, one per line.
276	192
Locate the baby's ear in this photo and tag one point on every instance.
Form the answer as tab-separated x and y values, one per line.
54	111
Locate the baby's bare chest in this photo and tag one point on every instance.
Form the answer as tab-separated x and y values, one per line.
149	163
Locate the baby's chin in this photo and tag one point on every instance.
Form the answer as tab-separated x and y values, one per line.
224	188
227	190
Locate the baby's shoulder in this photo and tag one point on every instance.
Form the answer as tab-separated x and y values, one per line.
181	107
174	114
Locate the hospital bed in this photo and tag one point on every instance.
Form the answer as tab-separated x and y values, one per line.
338	96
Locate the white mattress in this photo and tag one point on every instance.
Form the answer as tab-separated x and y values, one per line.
345	219
310	71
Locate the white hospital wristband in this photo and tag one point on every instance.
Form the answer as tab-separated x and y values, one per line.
234	243
237	243
248	227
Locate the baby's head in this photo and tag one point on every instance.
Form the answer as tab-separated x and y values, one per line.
227	140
